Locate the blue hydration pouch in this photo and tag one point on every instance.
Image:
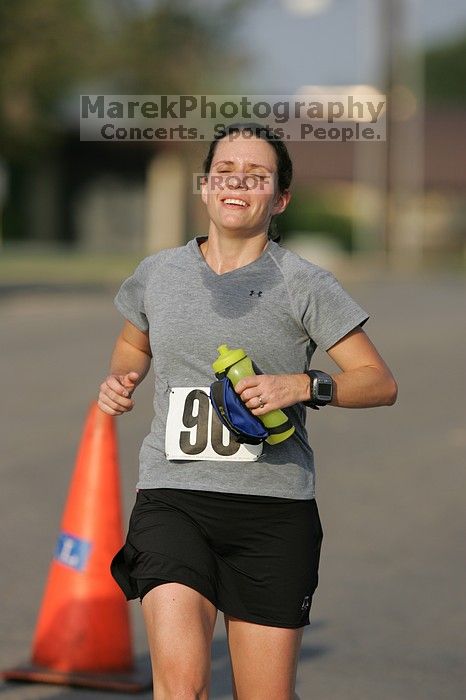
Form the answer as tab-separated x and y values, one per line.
235	415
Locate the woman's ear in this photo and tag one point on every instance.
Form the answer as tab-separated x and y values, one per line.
282	202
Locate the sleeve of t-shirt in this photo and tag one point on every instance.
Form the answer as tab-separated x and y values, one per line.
330	312
129	299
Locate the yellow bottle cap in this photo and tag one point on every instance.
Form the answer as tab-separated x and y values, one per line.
226	358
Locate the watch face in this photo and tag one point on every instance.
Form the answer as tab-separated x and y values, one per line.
324	391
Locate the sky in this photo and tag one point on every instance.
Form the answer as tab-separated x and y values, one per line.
336	44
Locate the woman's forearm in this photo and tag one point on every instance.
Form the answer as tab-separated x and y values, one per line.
126	357
129	365
363	387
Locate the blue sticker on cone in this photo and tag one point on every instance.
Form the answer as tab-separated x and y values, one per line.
72	551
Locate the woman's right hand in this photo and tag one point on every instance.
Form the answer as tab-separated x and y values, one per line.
115	393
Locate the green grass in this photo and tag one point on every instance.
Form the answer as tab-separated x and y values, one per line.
26	267
64	267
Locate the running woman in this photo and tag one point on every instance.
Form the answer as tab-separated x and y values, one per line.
219	525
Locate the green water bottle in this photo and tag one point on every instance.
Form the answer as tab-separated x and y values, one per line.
237	365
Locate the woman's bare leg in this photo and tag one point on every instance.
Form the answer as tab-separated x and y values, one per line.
264	660
180	624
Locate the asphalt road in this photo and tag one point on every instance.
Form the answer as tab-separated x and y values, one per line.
388	616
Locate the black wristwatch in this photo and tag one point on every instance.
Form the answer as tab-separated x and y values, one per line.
321	389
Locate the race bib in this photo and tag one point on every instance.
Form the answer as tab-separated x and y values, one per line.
194	431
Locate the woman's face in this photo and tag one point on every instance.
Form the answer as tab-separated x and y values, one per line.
241	191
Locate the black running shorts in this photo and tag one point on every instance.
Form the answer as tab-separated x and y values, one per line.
254	557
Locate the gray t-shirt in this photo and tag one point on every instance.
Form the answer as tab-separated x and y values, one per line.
278	309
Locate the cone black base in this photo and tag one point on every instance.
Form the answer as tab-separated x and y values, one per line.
135	681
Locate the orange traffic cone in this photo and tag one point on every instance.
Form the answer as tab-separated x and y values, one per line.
83	632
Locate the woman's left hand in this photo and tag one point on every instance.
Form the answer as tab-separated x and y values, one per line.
265	392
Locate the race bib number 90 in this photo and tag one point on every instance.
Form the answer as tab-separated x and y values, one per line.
194	431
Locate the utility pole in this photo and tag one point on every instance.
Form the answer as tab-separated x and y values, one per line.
3	196
404	166
388	176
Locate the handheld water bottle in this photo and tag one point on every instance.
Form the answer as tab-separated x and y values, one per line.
237	365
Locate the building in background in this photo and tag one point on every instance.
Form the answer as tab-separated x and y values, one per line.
404	197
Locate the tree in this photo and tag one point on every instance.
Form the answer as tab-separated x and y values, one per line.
445	72
51	50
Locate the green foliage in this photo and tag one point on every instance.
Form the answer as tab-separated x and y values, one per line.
53	50
43	50
445	72
176	47
310	212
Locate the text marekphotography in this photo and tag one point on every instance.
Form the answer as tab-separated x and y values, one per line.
332	117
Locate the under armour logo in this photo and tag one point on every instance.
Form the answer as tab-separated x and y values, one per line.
253	293
306	602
